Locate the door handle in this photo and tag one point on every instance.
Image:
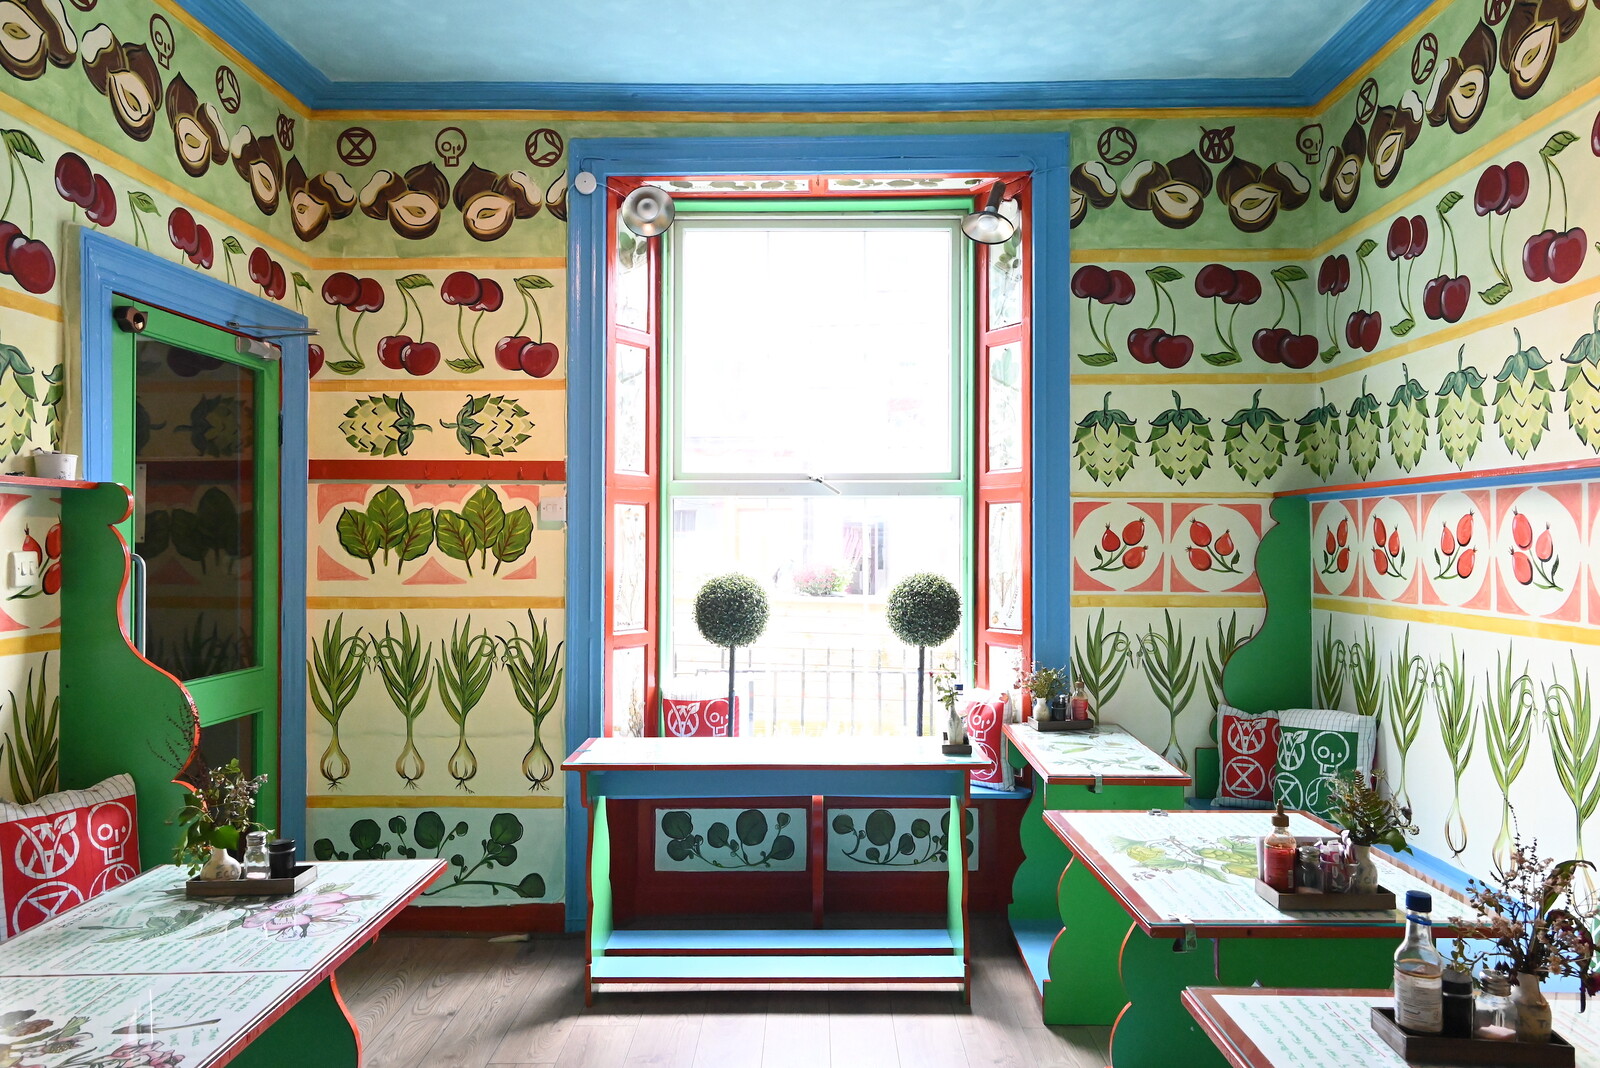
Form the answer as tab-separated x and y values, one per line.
139	591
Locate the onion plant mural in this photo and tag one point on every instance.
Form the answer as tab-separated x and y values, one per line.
1407	690
1101	659
1170	667
1366	674
1330	669
1575	745
465	666
1455	695
536	674
407	671
1508	717
1219	650
32	752
336	666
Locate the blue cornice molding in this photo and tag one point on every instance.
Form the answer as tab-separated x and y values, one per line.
1375	25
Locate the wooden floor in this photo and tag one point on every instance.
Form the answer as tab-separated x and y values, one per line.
445	1002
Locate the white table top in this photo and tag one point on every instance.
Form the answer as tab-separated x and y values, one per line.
1198	869
1105	752
764	754
143	964
1270	1028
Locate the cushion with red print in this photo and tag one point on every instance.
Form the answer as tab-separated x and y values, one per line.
63	849
683	717
1248	744
985	715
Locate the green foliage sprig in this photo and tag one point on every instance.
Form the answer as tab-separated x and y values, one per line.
33	752
219	812
1369	816
1043	682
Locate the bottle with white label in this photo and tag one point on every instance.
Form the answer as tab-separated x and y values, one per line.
1419	970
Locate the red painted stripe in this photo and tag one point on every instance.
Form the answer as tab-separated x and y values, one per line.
391	471
1454	476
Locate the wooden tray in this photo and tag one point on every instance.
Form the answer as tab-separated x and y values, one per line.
1436	1049
1051	725
1380	900
304	874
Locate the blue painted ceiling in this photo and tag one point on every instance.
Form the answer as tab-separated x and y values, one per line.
817	42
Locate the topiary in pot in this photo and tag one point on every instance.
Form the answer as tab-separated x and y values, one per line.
924	609
730	611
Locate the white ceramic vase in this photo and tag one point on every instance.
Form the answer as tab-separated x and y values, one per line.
1364	873
220	865
1533	1011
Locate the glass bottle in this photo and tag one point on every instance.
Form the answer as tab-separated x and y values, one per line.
1080	699
256	864
1278	854
1419	970
1494	1008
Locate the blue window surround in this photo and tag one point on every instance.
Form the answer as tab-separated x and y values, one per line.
108	269
1044	156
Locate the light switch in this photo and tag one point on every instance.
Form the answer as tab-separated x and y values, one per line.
553	509
24	570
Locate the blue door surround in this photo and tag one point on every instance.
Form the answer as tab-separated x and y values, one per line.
1043	156
108	269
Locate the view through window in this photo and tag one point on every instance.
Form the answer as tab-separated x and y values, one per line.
817	437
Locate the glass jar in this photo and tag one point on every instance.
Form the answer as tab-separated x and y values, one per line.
256	864
1493	1007
1308	868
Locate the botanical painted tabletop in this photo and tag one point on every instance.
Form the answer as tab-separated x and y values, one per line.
1103	751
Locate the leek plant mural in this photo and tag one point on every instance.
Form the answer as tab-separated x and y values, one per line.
1330	669
1170	667
1366	675
1408	689
1101	660
536	674
336	666
466	663
32	753
1456	697
1508	716
1575	747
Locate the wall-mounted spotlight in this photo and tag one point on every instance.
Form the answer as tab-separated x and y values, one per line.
987	226
647	211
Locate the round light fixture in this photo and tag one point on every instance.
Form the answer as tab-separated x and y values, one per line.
647	211
987	226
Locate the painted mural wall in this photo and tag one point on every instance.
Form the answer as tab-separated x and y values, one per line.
1247	317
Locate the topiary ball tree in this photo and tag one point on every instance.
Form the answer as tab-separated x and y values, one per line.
730	611
924	609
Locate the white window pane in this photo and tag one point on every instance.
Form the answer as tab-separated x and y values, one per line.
1005	566
628	576
627	692
630	409
1005	408
1005	275
827	662
815	350
632	281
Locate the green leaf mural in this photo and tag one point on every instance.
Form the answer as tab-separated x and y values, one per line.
387	527
751	829
880	843
497	850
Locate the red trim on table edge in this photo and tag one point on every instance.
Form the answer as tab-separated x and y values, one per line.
495	919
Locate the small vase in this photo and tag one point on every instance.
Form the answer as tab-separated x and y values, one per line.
1533	1011
1363	873
220	865
1041	709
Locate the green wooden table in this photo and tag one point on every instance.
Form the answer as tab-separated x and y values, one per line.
241	981
1265	1027
1104	767
1154	902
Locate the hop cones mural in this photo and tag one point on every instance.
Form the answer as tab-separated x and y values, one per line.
1254	443
382	425
1106	443
1582	386
1180	441
1408	421
1458	411
491	425
1522	399
1316	441
1364	432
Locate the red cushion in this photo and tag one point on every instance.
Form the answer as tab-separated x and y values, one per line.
1248	747
685	718
985	718
64	849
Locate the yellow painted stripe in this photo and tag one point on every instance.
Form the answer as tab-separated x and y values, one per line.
467	601
1167	600
205	33
1433	11
22	302
427	801
1190	255
440	263
431	385
1499	316
30	643
96	151
1167	381
1096	494
1506	625
1470	162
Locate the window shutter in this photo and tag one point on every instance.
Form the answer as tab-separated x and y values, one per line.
1004	542
633	375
